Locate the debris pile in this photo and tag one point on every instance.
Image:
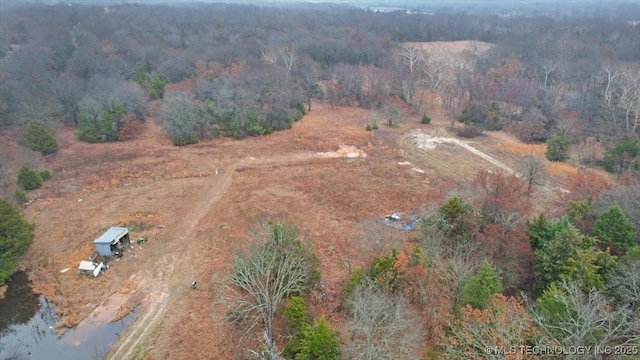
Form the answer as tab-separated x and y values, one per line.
399	222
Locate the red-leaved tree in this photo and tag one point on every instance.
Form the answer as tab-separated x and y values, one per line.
130	127
501	198
510	251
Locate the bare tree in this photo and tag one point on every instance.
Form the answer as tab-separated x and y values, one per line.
411	60
584	319
288	55
504	324
630	99
270	56
437	67
263	279
377	238
625	285
306	74
381	327
611	72
533	171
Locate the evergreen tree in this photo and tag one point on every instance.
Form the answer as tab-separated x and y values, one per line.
29	179
479	289
319	342
538	231
493	122
16	235
613	227
100	125
570	256
541	231
38	138
558	148
454	219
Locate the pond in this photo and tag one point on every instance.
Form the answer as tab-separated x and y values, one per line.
27	328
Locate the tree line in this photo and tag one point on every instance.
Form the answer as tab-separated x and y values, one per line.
207	70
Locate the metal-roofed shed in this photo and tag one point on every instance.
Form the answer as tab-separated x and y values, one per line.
112	241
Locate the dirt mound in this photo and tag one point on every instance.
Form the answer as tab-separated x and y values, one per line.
344	151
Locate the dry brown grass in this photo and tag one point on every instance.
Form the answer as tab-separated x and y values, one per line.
525	149
562	169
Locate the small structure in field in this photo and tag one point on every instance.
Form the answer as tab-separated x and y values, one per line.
112	241
88	267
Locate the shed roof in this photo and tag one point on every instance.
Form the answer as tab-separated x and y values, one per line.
114	233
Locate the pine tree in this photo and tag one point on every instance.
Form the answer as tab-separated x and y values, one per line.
479	289
319	342
16	235
613	227
537	231
38	138
558	148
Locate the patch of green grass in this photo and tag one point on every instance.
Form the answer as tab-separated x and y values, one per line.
136	226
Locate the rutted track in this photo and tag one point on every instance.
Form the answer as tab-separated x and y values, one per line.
171	270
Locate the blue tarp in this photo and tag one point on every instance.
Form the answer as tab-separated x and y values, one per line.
406	224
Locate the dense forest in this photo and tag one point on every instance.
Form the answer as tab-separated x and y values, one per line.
488	276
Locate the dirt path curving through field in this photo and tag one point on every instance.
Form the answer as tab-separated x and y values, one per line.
168	279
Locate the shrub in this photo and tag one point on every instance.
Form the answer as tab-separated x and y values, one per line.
152	83
301	110
16	235
255	128
355	279
470	131
130	128
100	125
368	127
493	120
470	115
20	196
531	130
38	138
319	342
425	120
45	174
622	156
29	179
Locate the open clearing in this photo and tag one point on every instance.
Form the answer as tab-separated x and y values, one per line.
198	204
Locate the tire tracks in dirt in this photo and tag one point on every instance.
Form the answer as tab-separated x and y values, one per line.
158	297
170	269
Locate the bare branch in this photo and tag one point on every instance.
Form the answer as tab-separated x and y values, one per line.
382	327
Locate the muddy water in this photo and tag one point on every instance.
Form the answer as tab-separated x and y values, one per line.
26	328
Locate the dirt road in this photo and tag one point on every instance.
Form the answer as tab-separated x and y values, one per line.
171	275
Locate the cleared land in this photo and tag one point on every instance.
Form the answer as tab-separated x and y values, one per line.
197	221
